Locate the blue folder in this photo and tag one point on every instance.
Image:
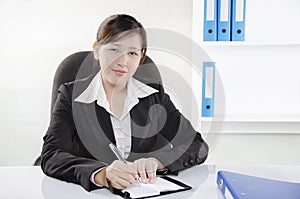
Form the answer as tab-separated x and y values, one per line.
224	20
238	20
210	20
208	89
240	186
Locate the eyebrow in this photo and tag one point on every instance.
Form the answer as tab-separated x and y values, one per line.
129	47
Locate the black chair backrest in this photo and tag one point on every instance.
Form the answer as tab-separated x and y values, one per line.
82	64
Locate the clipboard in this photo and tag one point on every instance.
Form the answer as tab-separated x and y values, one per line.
126	194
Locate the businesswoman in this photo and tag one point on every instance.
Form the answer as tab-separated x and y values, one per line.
114	107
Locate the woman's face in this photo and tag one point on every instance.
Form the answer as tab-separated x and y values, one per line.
120	58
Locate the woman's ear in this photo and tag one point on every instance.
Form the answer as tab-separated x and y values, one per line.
95	50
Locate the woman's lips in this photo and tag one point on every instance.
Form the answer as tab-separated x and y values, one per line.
119	72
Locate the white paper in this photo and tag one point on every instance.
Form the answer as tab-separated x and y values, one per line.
143	190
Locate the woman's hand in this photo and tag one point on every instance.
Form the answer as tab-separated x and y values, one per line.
146	169
120	174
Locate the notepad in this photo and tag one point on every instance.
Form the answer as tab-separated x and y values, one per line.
162	185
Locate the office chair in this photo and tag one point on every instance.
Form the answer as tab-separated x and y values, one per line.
82	64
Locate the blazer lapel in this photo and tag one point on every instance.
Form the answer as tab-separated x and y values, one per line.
95	130
105	123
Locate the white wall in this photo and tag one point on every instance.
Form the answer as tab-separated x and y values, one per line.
35	36
256	149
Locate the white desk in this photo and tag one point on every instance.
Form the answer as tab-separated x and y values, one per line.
30	182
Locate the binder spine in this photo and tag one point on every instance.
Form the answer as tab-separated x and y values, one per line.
210	20
208	89
223	186
224	20
238	20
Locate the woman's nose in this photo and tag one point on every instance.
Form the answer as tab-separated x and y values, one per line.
123	60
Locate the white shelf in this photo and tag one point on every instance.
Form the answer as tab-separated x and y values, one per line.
238	127
259	75
244	44
267	22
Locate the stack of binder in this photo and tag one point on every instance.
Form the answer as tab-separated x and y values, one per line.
240	186
224	20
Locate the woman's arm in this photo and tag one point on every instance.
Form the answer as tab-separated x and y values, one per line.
63	156
188	147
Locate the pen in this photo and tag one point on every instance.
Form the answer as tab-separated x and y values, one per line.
120	157
117	152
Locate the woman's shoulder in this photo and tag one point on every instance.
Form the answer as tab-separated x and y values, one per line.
76	87
156	84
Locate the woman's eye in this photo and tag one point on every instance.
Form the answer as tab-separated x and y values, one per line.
133	53
114	50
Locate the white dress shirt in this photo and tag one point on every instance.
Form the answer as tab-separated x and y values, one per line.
121	125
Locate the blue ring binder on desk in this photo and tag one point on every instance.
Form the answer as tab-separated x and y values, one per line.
240	186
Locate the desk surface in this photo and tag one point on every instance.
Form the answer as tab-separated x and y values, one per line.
30	182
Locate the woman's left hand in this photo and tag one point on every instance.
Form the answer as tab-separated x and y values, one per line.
146	169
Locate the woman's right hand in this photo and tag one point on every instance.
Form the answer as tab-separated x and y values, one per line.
118	173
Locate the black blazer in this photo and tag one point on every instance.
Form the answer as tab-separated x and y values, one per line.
76	142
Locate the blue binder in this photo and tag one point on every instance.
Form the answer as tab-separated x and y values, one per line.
238	20
240	186
224	20
208	89
210	20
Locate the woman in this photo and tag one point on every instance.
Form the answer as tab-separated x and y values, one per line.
113	107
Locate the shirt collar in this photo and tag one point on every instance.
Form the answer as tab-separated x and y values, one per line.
95	92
